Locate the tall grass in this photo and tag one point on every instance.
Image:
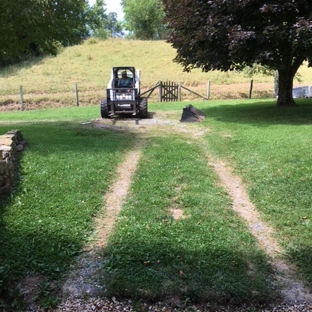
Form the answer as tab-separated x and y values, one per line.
89	65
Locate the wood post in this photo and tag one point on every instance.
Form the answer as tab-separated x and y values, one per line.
250	90
21	98
208	89
160	92
179	91
76	95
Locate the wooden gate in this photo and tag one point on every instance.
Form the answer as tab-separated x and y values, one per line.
169	91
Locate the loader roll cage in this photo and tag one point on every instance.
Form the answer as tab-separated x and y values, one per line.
120	100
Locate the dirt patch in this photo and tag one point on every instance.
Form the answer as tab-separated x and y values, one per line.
177	214
29	287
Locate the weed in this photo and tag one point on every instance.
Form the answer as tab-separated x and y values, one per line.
46	296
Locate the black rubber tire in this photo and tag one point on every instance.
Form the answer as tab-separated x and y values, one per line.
143	108
104	109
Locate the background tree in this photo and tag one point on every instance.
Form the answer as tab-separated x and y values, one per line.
100	24
114	26
144	18
257	69
97	19
231	34
39	26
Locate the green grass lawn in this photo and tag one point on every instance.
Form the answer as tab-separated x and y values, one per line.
209	254
63	174
271	149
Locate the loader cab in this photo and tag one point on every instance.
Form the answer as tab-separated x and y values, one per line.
131	73
117	74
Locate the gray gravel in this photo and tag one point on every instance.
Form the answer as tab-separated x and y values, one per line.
111	304
81	292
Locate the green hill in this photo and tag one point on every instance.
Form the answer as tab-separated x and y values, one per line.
89	66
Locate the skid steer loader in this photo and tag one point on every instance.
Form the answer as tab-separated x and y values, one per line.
120	100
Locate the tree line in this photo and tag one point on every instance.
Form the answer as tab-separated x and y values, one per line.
38	27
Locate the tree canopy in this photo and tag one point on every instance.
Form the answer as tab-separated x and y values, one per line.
96	19
100	24
35	27
145	18
233	34
39	26
113	26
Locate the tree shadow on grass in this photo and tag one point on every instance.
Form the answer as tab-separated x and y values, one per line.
160	270
262	113
46	219
301	255
208	256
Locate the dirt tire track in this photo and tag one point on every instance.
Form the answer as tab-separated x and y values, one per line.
286	273
116	195
292	288
83	279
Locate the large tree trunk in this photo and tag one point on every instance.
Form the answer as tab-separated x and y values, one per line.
275	94
285	87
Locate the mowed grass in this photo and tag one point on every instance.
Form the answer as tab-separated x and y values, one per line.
48	217
207	255
271	149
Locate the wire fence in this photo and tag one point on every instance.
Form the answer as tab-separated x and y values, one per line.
161	92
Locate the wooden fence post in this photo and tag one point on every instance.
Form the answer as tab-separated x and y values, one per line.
179	92
76	94
21	97
160	92
208	89
250	90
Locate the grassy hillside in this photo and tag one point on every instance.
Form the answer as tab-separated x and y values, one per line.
89	66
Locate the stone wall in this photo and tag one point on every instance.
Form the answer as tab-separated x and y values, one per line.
11	144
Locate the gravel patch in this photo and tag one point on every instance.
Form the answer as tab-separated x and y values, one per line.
112	304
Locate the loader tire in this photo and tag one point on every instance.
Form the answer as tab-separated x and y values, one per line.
104	109
143	108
